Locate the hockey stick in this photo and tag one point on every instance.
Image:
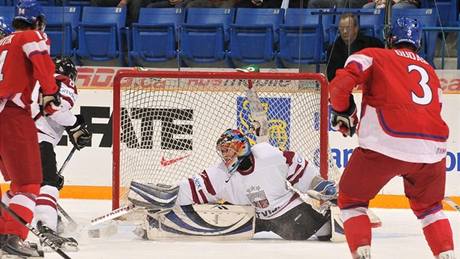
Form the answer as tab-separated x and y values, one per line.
72	223
66	161
35	231
452	203
113	214
315	204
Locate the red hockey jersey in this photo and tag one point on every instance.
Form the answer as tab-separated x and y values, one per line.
24	60
401	106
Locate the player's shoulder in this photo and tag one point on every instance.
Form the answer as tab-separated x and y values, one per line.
215	172
30	36
372	52
265	150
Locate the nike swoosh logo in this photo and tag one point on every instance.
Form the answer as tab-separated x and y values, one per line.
165	162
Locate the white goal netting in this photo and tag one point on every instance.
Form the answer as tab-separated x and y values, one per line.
167	128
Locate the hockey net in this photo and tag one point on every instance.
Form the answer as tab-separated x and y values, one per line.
166	124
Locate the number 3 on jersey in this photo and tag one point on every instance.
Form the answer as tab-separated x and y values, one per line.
427	95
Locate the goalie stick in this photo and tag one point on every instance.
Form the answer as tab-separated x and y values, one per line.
43	239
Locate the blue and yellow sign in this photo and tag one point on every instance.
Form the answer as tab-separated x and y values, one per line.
279	119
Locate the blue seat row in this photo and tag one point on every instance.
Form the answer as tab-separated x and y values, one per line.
208	35
50	2
244	35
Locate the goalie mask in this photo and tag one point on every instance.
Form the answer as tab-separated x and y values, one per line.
233	146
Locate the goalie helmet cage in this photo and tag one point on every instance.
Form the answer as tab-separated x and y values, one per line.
166	123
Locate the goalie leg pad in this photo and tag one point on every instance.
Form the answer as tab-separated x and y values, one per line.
152	197
338	232
208	221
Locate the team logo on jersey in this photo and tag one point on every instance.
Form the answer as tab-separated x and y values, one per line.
279	119
257	197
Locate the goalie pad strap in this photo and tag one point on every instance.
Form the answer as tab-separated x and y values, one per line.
211	222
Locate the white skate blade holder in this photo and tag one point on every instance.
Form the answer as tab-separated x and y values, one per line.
105	229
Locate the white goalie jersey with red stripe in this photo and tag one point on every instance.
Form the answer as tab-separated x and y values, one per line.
264	187
51	128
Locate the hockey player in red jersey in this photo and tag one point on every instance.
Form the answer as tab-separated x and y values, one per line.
50	130
24	60
401	133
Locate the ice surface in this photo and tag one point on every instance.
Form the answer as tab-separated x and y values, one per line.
399	237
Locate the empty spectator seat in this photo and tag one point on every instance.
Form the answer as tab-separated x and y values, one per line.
153	38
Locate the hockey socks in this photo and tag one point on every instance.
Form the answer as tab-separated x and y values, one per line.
438	233
45	211
358	232
23	204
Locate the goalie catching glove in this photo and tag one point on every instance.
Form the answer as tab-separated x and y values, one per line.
79	134
345	122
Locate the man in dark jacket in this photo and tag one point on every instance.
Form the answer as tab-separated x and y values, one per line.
349	42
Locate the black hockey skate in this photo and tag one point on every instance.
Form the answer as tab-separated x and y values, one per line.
14	247
68	244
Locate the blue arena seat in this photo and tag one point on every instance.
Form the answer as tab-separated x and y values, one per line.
153	38
311	16
371	23
209	25
445	10
7	12
61	27
76	2
254	35
42	2
302	37
100	33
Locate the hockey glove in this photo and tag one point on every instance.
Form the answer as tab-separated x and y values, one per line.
345	121
49	103
79	134
324	190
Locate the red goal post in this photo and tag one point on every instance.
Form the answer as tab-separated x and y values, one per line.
165	123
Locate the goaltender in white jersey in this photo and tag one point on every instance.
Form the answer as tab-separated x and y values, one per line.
258	176
262	185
